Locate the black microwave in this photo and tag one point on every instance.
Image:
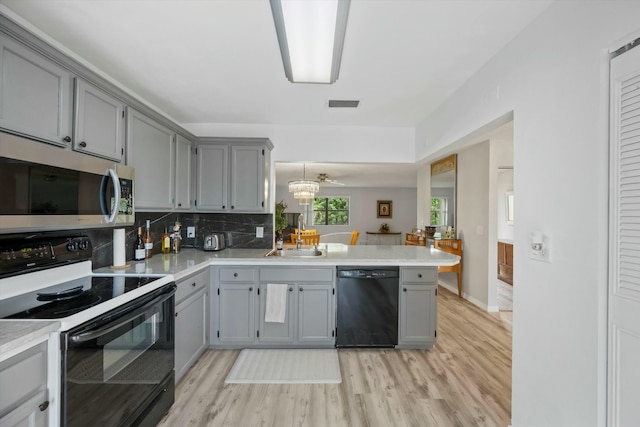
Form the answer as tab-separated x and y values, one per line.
48	188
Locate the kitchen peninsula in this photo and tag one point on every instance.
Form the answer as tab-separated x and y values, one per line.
220	301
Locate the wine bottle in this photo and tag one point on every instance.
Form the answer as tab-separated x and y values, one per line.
139	252
166	241
148	241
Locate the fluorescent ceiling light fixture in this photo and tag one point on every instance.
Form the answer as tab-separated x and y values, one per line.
311	37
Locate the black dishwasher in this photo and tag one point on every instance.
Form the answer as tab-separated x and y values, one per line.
367	307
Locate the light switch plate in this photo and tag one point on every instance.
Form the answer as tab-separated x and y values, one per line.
543	254
191	232
259	232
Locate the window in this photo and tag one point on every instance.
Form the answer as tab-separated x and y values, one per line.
439	210
331	211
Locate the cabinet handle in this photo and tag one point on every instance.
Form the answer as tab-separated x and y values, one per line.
224	207
233	207
83	144
44	405
419	275
235	274
404	289
66	139
176	314
193	284
290	289
179	204
301	289
251	289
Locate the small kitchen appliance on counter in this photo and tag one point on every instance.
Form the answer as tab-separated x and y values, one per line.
214	242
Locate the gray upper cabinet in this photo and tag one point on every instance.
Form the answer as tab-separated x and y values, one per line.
184	171
98	122
35	95
151	151
247	178
213	177
232	174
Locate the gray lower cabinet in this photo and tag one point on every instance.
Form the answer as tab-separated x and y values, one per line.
35	94
23	388
191	322
98	122
418	307
277	333
242	298
316	315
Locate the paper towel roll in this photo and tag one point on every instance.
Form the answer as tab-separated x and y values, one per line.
119	255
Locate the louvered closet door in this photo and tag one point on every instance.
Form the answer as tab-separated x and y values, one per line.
624	285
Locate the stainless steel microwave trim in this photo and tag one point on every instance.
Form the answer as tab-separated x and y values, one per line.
15	147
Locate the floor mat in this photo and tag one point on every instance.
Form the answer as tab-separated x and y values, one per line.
291	366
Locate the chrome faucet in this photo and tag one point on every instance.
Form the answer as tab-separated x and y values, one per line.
300	225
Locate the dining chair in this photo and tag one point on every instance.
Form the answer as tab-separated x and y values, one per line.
354	237
294	235
310	239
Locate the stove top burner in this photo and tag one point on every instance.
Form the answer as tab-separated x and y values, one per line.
69	298
60	296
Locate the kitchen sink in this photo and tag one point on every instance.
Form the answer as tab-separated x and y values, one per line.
297	253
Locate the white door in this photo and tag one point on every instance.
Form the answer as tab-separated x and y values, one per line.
624	285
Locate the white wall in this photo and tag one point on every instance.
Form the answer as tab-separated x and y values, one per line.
473	220
344	144
554	79
363	208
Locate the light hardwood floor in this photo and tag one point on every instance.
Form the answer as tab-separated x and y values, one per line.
465	380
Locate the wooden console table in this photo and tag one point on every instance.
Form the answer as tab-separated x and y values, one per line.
452	246
377	237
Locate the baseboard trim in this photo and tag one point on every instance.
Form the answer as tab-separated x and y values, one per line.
472	300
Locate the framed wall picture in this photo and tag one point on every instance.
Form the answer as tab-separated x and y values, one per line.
385	209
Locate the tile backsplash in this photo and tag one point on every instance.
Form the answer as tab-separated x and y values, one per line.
239	230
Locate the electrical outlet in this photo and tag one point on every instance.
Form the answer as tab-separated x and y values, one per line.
259	232
191	232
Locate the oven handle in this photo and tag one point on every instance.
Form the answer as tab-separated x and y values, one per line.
88	336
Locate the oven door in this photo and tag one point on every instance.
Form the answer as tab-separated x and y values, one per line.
118	370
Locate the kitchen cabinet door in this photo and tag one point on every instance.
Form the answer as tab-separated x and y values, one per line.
237	314
315	315
192	334
35	94
98	122
247	178
151	151
277	333
182	200
417	314
212	191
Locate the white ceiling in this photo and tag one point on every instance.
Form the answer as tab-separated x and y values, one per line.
218	61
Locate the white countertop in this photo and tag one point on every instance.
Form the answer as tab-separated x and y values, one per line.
189	261
18	335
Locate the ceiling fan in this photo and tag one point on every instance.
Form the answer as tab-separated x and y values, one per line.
324	179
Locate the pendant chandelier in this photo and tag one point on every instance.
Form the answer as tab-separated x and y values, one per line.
304	190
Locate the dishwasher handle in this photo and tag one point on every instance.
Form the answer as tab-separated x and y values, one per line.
364	273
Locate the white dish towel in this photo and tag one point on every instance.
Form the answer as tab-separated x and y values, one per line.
276	303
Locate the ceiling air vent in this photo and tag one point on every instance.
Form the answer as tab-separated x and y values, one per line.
340	103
